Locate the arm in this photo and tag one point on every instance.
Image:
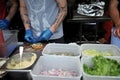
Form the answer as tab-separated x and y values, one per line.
115	15
45	35
13	9
62	4
24	14
4	23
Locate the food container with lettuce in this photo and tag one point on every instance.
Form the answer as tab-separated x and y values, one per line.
101	68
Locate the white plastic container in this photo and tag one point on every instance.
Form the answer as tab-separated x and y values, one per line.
9	43
50	62
55	49
88	62
103	48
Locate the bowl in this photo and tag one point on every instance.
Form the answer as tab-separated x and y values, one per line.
28	59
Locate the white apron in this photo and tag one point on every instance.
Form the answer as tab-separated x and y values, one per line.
42	14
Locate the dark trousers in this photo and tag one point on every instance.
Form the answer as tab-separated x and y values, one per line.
60	40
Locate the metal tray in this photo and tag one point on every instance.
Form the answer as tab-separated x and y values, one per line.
2	71
27	69
16	51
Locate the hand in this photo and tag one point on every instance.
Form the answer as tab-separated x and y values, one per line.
45	35
116	30
4	23
29	36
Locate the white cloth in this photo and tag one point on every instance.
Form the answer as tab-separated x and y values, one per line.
42	14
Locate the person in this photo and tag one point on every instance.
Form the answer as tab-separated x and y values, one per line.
8	9
114	10
106	27
7	13
43	19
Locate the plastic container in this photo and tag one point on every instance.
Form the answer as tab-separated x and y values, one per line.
50	62
8	43
114	39
88	62
56	49
103	48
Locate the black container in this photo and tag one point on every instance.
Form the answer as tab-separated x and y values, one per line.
17	76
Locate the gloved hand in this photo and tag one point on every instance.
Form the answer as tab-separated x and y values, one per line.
4	23
29	36
45	35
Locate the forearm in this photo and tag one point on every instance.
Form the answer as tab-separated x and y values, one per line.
114	13
13	9
62	4
24	15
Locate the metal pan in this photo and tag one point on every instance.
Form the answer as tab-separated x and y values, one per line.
14	64
3	72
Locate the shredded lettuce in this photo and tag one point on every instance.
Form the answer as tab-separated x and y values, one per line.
103	67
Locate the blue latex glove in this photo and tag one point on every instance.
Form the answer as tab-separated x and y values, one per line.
29	36
4	23
45	35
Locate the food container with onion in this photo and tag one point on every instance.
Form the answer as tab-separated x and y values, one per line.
57	68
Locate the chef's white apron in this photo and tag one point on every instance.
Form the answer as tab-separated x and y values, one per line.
42	14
